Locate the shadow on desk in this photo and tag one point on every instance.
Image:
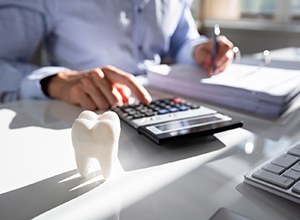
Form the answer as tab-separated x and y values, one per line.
285	209
138	152
32	200
52	114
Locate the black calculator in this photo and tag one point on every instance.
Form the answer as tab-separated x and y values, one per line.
168	119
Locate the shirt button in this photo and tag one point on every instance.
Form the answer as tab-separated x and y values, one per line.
139	10
140	47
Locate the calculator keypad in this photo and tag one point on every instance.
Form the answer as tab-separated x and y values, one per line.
157	107
159	111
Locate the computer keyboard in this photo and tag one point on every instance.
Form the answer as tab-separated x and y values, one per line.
280	175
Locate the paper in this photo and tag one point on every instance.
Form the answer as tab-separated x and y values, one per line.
261	90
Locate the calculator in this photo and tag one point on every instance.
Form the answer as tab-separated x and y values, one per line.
169	119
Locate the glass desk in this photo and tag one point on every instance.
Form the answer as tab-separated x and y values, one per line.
188	181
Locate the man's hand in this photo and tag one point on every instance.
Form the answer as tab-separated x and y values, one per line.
99	88
203	54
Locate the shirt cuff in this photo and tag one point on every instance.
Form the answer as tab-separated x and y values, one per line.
185	54
30	86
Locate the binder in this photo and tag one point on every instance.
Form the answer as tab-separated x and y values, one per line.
260	90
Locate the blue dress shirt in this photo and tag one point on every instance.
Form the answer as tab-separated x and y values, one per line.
83	34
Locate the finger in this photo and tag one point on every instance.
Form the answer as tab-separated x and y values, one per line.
118	76
202	53
224	46
103	83
94	93
79	97
119	96
203	56
225	61
124	91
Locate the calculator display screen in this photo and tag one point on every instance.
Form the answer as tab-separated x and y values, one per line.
189	127
187	123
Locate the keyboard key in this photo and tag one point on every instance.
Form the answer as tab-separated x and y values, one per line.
272	178
269	176
296	167
273	168
292	174
297	145
296	188
295	151
285	160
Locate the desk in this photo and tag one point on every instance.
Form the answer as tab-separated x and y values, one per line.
287	58
191	181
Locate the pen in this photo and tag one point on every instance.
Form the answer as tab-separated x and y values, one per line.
215	34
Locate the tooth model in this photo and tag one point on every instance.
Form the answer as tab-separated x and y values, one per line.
96	136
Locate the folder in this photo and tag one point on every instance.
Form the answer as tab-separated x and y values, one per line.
260	90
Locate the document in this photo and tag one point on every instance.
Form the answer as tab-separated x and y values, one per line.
260	90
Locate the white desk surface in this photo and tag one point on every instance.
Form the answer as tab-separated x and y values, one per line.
188	181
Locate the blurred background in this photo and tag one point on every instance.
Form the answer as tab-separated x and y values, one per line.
253	25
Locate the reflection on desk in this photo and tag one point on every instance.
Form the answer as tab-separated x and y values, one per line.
189	181
287	58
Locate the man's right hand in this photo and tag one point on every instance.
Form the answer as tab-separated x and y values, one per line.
99	88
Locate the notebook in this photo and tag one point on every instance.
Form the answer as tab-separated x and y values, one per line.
260	90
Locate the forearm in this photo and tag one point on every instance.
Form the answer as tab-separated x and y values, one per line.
185	39
186	53
22	81
31	88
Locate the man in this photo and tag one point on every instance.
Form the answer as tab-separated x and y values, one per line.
95	46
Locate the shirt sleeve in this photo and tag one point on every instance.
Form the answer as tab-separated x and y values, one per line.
19	39
30	86
185	38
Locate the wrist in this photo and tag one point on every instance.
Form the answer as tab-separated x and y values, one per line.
45	82
197	54
59	84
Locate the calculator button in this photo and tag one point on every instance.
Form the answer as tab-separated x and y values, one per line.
192	105
183	108
173	109
177	100
129	117
130	110
149	114
125	114
162	111
138	115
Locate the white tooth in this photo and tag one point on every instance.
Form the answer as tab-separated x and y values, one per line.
96	136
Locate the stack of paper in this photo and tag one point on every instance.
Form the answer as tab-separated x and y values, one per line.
261	90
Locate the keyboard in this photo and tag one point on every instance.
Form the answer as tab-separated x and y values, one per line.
168	119
280	175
